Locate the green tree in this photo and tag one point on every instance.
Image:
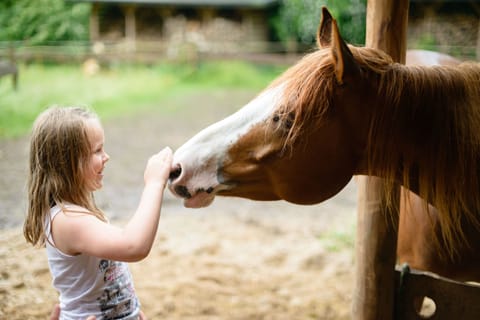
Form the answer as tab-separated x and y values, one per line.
43	21
298	19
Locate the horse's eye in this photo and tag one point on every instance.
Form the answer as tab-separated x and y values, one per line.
289	121
288	124
276	118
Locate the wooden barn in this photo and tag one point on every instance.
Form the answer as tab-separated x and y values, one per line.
169	28
210	26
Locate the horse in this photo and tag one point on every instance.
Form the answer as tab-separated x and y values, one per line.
342	111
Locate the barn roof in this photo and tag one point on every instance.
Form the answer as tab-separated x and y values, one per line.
179	3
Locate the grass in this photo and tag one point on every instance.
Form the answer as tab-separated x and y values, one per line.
339	239
119	89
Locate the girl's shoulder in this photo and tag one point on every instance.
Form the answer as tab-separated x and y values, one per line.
72	226
70	208
64	209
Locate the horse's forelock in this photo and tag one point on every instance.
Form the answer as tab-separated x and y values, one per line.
307	91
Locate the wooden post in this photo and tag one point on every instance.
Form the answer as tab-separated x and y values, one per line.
377	226
13	61
130	27
387	27
376	247
94	23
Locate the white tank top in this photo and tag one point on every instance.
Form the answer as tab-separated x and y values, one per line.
90	285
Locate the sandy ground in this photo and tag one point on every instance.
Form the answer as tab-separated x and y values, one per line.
236	259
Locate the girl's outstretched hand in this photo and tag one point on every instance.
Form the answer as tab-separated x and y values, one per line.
159	167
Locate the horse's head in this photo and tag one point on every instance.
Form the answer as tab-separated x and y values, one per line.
300	140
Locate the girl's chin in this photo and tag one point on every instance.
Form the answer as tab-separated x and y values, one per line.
96	186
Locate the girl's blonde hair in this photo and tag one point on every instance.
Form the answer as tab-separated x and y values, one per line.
59	153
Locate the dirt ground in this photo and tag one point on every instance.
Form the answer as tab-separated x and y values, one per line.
236	259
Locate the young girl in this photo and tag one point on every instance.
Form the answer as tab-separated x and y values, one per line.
87	256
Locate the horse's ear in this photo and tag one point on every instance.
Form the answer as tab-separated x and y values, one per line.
345	65
324	33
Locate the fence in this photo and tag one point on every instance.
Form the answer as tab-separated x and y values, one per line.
155	51
149	52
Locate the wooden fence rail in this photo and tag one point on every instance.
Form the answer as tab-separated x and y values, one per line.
155	51
447	299
151	51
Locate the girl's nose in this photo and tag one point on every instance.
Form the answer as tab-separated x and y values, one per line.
106	157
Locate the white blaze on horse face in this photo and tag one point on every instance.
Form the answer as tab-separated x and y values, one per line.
202	156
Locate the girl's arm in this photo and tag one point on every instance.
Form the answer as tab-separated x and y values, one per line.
75	233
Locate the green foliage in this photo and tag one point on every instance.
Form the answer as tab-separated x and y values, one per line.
121	89
299	19
43	21
426	42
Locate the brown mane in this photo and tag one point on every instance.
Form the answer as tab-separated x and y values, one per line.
432	113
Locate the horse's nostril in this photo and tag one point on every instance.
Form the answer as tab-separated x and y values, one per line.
174	174
182	191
